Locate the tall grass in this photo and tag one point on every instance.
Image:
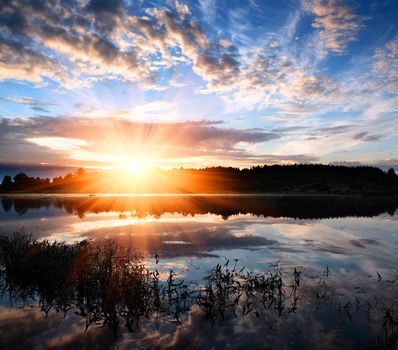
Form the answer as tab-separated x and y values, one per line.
110	285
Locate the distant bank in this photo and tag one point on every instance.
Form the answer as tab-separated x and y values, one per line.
275	179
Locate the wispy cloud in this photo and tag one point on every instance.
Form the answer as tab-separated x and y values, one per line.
363	136
295	79
151	111
336	21
26	100
78	43
88	42
209	10
113	140
58	143
39	109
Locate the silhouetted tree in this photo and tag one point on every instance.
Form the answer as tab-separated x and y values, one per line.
80	171
7	183
391	172
297	178
68	177
21	178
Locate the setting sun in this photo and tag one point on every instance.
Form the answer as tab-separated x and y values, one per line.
137	167
198	174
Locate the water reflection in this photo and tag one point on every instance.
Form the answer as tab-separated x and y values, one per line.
108	285
191	235
298	206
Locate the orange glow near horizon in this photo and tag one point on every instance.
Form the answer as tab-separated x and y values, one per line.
115	144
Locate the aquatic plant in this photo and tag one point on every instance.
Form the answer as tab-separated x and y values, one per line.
108	284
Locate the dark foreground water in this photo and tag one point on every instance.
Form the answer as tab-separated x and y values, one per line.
336	257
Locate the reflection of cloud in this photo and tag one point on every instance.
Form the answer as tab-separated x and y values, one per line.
23	328
313	322
179	238
362	243
94	338
346	242
30	329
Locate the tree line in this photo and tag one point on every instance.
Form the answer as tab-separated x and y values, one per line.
297	178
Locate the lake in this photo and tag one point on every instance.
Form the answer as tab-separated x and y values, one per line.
336	257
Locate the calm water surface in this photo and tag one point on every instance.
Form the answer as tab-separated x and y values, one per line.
348	244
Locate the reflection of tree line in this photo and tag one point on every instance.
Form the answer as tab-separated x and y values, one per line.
299	178
109	284
305	207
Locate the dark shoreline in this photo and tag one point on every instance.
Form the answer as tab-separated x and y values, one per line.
295	179
298	206
193	194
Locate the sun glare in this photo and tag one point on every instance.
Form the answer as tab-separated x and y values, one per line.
136	167
134	175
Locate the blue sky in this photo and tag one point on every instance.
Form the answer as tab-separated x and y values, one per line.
198	83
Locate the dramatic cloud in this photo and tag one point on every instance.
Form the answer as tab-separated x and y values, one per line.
20	62
309	81
110	141
337	23
76	43
82	36
271	78
92	41
285	75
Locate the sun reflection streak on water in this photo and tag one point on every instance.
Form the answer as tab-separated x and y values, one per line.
354	250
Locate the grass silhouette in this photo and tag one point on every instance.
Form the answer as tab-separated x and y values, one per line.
110	285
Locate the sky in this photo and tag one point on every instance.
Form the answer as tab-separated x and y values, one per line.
116	83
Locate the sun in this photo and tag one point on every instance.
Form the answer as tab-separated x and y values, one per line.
135	167
135	175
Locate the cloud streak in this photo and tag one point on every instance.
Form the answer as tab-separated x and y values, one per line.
77	43
116	141
300	91
26	100
336	22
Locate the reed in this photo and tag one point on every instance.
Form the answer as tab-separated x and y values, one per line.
110	285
